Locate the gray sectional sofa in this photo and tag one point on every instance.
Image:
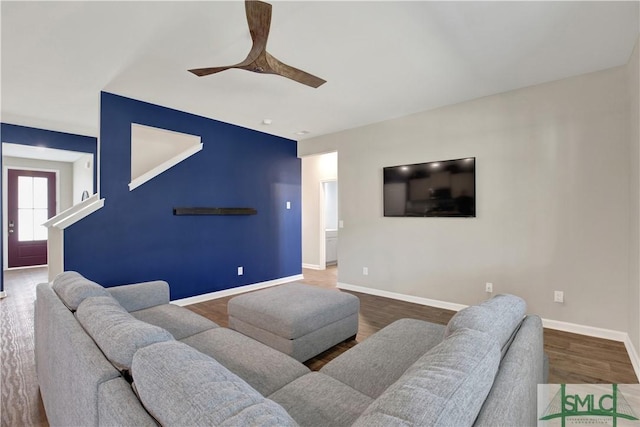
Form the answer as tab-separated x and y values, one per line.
125	356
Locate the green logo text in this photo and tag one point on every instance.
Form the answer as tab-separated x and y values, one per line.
565	405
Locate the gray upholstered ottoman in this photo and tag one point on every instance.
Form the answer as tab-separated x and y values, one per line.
299	320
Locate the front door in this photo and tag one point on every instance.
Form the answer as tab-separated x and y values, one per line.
31	200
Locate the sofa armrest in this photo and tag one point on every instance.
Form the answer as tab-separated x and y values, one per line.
139	296
69	364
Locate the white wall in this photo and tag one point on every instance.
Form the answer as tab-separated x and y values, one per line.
65	176
82	177
552	164
315	170
633	70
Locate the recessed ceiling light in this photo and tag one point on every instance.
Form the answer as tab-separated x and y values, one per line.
267	122
302	132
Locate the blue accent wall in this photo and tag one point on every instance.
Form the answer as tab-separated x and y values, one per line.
135	236
24	135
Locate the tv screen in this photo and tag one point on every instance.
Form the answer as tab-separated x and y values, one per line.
434	189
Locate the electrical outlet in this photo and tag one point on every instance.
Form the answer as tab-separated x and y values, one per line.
488	287
558	296
288	205
240	271
365	271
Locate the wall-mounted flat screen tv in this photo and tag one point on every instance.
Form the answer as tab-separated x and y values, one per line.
434	189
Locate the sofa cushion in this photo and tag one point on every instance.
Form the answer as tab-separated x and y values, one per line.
499	316
118	405
377	362
445	387
139	296
179	321
72	288
118	334
521	370
319	400
264	368
180	386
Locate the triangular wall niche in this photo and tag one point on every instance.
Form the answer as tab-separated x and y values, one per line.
155	150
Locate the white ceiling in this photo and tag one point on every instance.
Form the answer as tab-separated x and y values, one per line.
381	59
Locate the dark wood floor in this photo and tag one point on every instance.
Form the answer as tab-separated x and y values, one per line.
572	358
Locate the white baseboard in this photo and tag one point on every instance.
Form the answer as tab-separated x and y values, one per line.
3	294
591	331
547	323
633	355
312	266
234	291
402	297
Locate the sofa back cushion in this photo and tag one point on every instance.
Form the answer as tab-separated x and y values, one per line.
512	400
445	387
180	386
72	288
118	334
499	317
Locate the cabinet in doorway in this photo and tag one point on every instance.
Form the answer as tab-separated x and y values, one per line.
331	246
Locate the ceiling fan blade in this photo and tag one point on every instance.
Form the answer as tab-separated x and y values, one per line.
259	20
278	67
259	60
210	70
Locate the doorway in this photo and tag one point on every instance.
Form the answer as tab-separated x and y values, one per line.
319	176
31	200
330	213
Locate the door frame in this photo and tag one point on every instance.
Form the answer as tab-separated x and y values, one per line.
323	237
5	207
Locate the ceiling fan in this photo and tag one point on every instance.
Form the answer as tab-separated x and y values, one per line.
259	60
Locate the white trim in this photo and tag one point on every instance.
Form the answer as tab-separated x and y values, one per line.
312	266
633	355
547	323
75	213
402	297
26	267
234	291
591	331
3	294
162	167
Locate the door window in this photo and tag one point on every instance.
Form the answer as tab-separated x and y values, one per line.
33	203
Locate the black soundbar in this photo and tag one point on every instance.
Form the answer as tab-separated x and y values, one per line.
214	211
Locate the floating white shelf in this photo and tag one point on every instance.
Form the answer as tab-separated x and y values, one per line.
75	213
